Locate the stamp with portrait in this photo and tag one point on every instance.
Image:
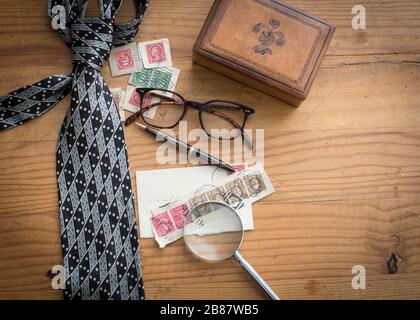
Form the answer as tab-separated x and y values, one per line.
156	53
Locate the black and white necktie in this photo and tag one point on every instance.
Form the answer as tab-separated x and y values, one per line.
97	219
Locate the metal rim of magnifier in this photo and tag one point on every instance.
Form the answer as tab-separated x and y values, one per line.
224	205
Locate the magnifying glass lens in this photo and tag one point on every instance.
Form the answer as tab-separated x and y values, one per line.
213	231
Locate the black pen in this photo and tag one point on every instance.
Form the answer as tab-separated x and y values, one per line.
183	146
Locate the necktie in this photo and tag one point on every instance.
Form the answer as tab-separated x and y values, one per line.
97	219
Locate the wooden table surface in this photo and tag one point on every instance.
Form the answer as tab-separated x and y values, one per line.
345	165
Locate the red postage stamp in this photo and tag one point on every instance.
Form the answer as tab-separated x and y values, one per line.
239	167
156	52
132	102
134	99
162	224
124	59
178	214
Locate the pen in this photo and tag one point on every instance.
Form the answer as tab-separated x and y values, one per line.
183	146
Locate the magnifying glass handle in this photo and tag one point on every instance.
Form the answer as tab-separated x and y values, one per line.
255	276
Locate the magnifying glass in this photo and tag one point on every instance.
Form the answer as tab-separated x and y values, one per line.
213	232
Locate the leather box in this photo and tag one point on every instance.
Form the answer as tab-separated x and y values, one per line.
266	44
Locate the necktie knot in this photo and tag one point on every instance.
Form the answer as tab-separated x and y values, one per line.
91	41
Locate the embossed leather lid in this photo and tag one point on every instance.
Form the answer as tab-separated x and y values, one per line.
269	41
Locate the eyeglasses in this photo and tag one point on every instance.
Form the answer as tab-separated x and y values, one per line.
220	119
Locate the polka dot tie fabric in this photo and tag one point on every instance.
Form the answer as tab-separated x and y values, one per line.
97	218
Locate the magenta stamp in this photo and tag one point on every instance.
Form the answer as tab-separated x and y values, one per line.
239	167
156	53
178	214
162	224
131	99
124	59
132	102
134	98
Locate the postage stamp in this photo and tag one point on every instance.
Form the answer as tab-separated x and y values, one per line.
179	214
131	99
161	78
125	60
156	53
132	102
162	224
195	201
254	184
134	99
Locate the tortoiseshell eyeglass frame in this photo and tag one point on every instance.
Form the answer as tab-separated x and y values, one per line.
208	106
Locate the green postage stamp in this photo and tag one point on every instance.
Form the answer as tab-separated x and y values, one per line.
159	78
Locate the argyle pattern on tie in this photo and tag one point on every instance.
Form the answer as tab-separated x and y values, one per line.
97	219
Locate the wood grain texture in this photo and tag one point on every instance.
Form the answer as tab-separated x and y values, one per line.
345	165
